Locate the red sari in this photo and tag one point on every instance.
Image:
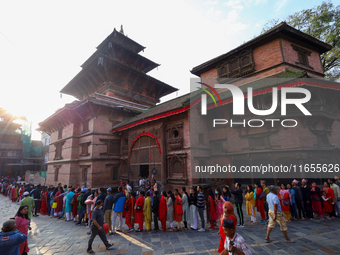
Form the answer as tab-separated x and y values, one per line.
260	204
178	210
162	210
211	212
21	192
44	207
13	194
59	201
75	205
130	213
327	205
139	213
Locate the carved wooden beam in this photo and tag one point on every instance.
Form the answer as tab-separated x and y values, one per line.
91	110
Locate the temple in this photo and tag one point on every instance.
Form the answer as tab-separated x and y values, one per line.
118	131
112	86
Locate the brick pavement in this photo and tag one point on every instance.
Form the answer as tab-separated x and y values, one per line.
52	236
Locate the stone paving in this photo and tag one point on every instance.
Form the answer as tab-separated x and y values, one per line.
52	236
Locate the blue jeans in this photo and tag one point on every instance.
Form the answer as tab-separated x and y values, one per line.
293	211
81	215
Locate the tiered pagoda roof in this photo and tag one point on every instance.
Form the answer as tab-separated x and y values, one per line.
117	66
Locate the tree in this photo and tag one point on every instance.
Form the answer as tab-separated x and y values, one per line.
323	23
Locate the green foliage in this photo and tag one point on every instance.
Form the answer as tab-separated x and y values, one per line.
323	23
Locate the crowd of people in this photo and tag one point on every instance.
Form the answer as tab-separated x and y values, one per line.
144	204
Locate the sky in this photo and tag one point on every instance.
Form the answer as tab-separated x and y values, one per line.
43	43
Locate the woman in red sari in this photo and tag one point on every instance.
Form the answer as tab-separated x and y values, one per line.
59	200
129	204
162	210
139	211
228	213
75	204
13	194
259	202
211	212
328	201
178	209
44	207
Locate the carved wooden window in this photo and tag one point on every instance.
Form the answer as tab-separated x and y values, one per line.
86	126
84	172
113	146
58	150
175	136
60	133
237	65
56	173
322	139
302	55
259	142
84	149
114	173
177	172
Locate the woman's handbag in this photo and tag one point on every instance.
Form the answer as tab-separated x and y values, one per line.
54	205
139	208
285	202
127	208
262	195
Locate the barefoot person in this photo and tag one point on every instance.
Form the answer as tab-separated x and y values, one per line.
275	214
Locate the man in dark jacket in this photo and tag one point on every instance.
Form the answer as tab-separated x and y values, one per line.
82	202
97	228
299	200
155	206
119	202
307	198
36	194
107	209
238	202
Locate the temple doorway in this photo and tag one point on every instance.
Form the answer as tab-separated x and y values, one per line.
144	171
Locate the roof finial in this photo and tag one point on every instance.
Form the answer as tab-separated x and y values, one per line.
121	29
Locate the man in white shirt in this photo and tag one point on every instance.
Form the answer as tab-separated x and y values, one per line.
276	215
234	242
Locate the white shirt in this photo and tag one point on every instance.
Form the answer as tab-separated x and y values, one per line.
239	243
273	199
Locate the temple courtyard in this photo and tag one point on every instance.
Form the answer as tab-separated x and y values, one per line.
50	236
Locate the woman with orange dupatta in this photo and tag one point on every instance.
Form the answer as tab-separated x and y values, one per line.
162	210
129	205
44	207
211	212
228	213
178	209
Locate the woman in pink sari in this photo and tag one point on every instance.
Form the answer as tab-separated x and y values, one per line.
21	221
219	201
285	201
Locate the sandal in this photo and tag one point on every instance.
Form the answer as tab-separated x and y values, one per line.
108	247
267	240
90	251
170	229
